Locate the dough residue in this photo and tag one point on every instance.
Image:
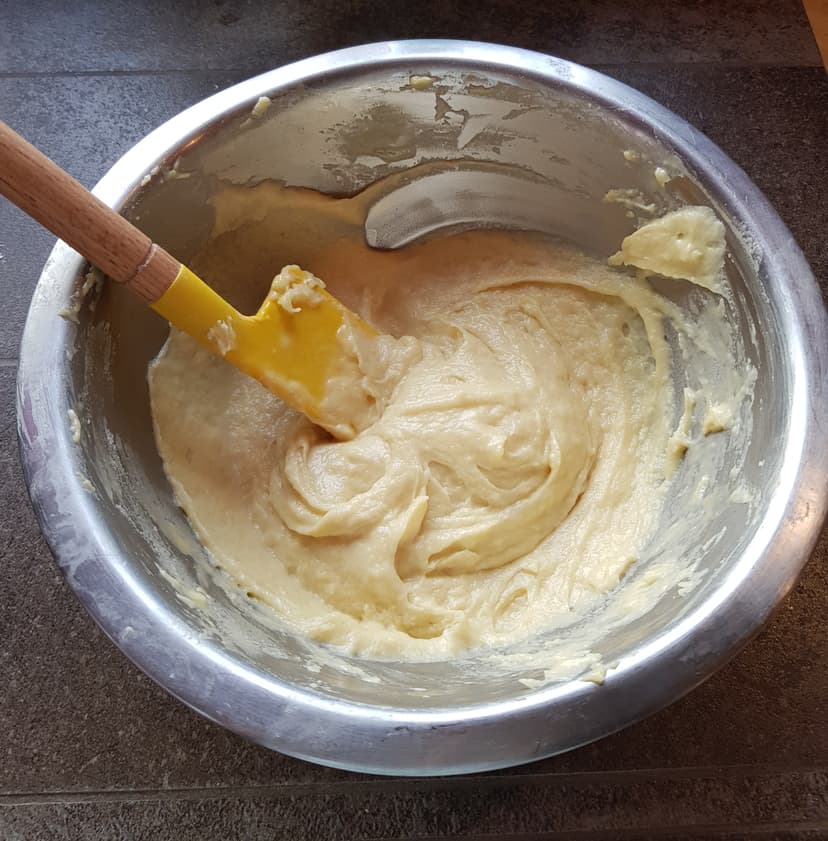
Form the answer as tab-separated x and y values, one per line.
262	104
520	456
222	336
687	243
74	425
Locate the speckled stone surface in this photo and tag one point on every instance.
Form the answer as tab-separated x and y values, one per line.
92	749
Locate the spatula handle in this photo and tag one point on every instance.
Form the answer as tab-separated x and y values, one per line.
41	189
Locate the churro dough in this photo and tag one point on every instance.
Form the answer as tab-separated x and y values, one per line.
522	452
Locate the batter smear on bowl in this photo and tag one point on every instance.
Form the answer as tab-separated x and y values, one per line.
526	424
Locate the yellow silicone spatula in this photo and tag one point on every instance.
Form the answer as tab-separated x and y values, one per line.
293	351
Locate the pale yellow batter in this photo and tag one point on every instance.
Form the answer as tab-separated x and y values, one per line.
518	464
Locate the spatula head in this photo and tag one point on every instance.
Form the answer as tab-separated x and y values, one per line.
297	344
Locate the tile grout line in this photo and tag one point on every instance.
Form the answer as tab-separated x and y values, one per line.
71	74
394	786
634	833
194	71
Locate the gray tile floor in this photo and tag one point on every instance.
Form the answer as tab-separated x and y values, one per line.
91	749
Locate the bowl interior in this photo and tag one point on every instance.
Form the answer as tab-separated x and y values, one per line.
530	155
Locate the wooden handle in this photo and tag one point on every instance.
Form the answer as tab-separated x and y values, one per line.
40	188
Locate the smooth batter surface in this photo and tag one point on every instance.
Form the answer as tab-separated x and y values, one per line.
516	469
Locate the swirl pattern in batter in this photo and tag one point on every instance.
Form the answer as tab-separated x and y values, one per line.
516	469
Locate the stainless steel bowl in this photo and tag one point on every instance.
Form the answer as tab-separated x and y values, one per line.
337	122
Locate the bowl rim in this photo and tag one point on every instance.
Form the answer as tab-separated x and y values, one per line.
543	722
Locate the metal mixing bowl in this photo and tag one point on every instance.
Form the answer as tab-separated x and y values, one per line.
337	122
